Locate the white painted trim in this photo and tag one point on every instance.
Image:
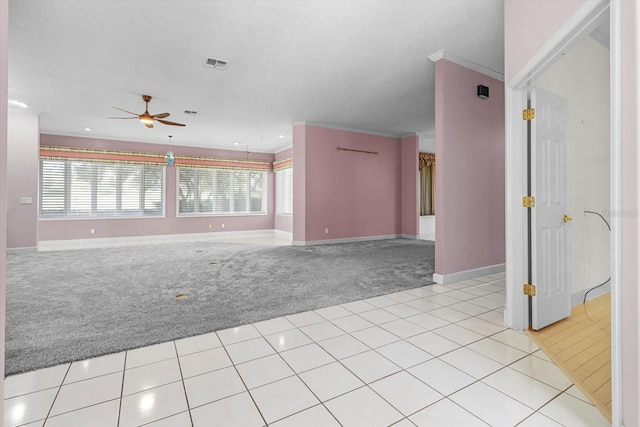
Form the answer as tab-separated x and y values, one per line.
452	57
348	129
516	252
283	148
578	297
616	206
283	234
579	24
45	244
346	240
445	279
409	236
21	250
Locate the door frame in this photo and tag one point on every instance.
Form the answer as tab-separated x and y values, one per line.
516	314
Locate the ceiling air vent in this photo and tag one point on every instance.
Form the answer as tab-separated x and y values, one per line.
218	64
190	113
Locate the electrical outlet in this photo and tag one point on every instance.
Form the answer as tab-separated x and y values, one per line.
210	226
26	200
93	231
222	225
326	231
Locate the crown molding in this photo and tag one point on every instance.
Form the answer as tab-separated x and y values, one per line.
451	57
348	129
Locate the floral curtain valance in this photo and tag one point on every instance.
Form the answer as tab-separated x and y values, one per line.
216	163
110	156
283	164
106	156
426	160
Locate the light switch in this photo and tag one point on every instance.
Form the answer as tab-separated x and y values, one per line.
26	200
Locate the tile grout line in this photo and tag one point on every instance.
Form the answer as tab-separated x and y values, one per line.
224	347
53	402
184	387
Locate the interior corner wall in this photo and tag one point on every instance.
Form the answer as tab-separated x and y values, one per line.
409	186
4	88
470	185
629	214
299	152
344	195
283	222
23	149
587	93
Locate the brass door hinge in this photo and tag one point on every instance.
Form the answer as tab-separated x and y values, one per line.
529	114
528	201
529	290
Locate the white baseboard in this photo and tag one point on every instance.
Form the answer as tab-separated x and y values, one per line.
18	250
409	236
346	240
44	244
283	234
445	279
578	297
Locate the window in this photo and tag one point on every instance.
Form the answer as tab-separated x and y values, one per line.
77	188
284	192
221	191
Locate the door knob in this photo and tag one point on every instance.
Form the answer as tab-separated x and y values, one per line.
566	218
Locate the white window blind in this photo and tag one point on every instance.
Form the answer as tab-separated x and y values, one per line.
220	191
76	188
284	191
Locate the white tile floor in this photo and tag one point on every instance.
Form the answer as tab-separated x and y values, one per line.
431	356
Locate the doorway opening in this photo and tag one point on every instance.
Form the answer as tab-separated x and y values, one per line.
576	67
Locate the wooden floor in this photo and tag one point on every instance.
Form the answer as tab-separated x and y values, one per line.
581	347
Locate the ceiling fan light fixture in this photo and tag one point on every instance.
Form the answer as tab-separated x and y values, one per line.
147	120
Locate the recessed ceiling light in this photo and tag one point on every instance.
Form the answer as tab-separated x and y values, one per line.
236	143
280	136
87	129
18	103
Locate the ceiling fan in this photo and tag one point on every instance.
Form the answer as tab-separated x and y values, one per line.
146	118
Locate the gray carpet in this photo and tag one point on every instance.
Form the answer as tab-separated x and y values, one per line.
72	305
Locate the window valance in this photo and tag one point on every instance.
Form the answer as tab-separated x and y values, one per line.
106	156
217	163
426	160
130	157
283	164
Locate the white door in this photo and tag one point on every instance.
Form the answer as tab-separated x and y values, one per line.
550	218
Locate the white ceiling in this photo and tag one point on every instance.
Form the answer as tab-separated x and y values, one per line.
357	64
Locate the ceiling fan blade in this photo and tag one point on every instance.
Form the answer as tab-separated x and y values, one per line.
161	115
121	109
167	122
149	125
123	118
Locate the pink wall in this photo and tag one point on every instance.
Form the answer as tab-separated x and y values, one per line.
531	23
470	172
22	170
409	186
528	26
630	274
284	222
352	195
4	86
299	183
170	224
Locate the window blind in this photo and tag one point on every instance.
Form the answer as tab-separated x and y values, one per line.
284	191
220	191
72	188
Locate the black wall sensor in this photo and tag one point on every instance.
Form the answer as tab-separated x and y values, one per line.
483	91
